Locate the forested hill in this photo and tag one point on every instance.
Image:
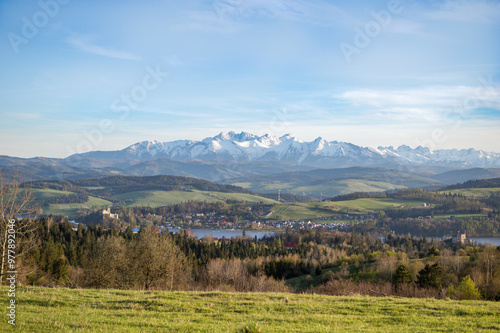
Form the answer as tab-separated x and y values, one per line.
109	186
476	183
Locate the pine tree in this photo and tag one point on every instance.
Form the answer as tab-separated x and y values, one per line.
401	275
318	270
430	277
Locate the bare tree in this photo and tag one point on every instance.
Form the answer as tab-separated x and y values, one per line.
18	215
109	267
160	264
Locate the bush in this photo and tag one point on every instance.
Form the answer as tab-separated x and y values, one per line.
466	290
327	276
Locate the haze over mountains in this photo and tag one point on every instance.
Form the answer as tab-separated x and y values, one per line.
267	163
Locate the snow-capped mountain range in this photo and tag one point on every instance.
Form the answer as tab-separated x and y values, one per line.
318	153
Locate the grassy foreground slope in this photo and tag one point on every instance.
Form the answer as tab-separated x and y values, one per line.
87	310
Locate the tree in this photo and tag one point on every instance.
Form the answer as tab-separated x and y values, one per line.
318	270
109	267
17	224
401	275
159	263
430	277
467	289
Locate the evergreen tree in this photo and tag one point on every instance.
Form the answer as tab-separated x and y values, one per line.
318	270
401	275
430	277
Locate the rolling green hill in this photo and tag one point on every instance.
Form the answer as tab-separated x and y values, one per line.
474	192
151	191
163	198
70	209
332	182
311	210
45	194
371	205
87	310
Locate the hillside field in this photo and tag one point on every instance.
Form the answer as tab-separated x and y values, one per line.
326	189
370	205
71	208
67	209
474	192
162	198
311	210
47	193
87	310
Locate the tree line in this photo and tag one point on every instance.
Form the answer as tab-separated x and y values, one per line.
329	262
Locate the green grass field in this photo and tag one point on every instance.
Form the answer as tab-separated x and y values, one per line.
312	210
474	192
162	198
345	186
65	209
71	208
87	310
45	194
301	211
366	205
328	189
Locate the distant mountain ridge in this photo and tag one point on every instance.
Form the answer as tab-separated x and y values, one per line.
320	153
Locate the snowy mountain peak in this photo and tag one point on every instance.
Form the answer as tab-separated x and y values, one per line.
318	153
243	136
286	137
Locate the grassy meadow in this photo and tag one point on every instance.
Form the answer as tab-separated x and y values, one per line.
155	198
474	192
88	310
69	208
311	210
367	205
327	189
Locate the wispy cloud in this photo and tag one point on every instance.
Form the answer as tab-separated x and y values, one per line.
429	103
467	11
83	44
313	12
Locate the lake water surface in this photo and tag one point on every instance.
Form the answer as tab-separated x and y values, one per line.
227	233
483	240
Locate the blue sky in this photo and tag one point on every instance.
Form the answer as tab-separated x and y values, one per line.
101	75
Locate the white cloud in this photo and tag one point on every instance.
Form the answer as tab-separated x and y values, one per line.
84	45
317	12
430	103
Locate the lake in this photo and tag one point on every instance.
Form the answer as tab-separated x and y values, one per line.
482	240
227	233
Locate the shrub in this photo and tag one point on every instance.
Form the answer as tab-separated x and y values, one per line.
466	290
